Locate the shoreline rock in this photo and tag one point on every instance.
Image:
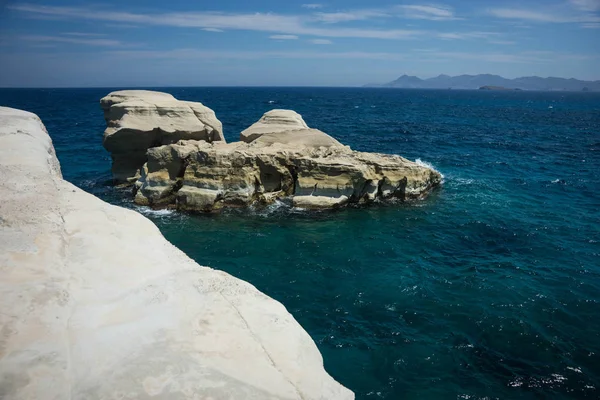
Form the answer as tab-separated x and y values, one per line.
277	158
137	120
281	161
200	176
97	304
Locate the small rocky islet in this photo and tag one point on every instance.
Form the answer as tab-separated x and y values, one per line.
175	155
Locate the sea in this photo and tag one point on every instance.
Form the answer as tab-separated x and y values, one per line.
487	289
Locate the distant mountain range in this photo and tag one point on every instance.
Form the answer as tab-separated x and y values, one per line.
478	81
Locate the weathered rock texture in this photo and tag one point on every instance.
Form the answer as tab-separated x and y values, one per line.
279	157
286	127
138	120
96	304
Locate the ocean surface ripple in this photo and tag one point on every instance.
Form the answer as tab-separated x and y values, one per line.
488	289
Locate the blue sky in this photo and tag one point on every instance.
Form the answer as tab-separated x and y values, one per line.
56	43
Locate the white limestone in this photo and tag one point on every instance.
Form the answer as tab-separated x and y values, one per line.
278	158
286	127
96	304
140	119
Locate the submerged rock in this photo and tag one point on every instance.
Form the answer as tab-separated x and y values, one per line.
279	157
139	119
96	304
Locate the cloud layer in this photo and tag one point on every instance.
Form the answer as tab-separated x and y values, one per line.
315	37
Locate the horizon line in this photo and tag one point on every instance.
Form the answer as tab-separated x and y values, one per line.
147	87
364	85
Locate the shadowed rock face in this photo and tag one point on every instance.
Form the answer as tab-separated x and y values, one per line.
96	304
279	157
139	119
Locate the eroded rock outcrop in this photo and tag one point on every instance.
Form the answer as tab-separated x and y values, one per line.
139	119
96	304
286	127
279	157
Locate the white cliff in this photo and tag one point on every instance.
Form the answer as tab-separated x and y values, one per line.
96	304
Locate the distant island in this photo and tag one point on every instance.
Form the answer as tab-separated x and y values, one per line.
492	82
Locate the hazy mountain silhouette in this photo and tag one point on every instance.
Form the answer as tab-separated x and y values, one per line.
477	81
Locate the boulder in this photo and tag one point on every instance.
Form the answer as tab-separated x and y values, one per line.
139	119
96	304
286	127
307	169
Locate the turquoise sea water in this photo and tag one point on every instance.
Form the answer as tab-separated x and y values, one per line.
490	288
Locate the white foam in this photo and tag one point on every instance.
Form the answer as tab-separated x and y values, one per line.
463	181
155	213
274	208
422	163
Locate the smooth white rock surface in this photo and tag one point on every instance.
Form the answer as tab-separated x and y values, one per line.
96	304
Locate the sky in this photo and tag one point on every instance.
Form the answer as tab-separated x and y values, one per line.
71	43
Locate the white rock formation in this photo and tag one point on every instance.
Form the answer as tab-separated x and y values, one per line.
96	304
286	127
139	119
279	157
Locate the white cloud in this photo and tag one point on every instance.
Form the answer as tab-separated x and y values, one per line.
423	55
560	16
586	5
537	16
283	37
122	26
321	41
450	36
312	6
281	27
358	15
72	40
192	54
262	22
502	42
433	13
84	34
467	35
538	57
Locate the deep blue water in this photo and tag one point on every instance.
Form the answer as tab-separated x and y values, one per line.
490	288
